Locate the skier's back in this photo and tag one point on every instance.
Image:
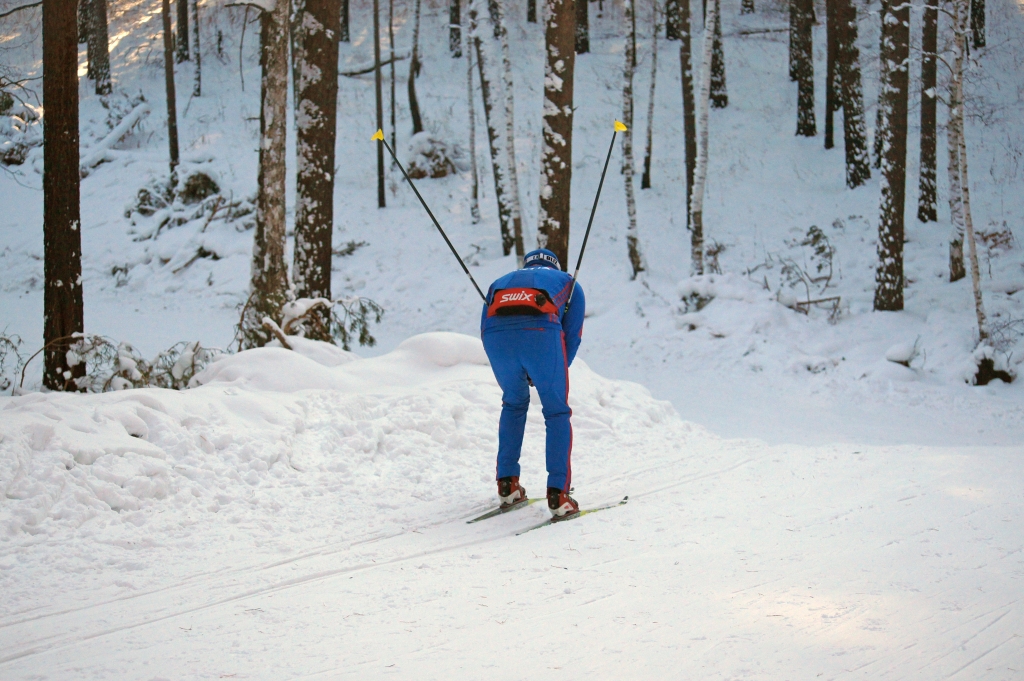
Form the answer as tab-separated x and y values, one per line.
531	336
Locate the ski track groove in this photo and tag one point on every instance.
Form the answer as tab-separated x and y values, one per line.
987	652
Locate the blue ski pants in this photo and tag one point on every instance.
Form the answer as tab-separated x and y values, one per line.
540	354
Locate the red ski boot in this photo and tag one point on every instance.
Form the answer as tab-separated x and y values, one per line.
510	492
561	505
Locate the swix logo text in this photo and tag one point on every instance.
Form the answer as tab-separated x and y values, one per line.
519	295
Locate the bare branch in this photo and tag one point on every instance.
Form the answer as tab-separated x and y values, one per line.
18	9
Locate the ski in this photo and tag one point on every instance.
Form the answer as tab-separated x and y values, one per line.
500	510
552	521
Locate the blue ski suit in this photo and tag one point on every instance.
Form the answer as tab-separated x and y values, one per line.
538	348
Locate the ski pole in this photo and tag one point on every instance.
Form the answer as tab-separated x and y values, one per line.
619	127
379	136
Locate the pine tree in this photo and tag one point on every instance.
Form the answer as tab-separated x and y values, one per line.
414	70
719	94
858	167
454	29
926	198
701	171
316	57
99	52
172	106
794	30
632	242
804	68
582	26
269	272
895	55
181	37
689	120
63	313
832	79
556	158
645	180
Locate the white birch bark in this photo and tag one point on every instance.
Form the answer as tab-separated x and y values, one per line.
645	182
700	174
510	134
956	214
961	12
474	200
632	243
197	82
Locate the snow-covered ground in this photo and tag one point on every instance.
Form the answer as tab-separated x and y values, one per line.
799	506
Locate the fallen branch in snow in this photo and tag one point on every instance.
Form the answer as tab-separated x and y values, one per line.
757	31
18	9
98	153
273	328
368	67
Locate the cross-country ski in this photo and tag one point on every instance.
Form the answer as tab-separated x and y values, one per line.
613	339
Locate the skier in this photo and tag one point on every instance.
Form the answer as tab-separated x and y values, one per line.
531	336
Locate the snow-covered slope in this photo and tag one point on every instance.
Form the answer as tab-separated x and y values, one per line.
295	518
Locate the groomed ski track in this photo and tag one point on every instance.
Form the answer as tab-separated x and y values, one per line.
697	577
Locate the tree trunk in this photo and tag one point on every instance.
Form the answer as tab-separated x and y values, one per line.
804	68
895	55
83	22
582	26
316	57
474	199
172	108
747	7
794	30
701	172
831	71
197	83
645	180
978	22
719	94
531	11
62	235
953	131
673	21
926	195
344	33
391	65
556	159
858	167
882	66
510	131
454	29
99	53
414	70
689	121
632	243
269	273
181	37
378	100
501	192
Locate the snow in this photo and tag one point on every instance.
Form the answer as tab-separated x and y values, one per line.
800	504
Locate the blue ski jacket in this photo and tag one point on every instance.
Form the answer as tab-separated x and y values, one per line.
556	284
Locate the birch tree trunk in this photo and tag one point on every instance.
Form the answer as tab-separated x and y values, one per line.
269	273
719	93
804	68
689	120
172	107
582	26
926	192
474	199
491	115
181	37
895	55
645	180
393	100
63	313
632	243
378	100
957	271
556	159
510	132
316	59
701	172
414	70
454	29
99	52
197	83
858	167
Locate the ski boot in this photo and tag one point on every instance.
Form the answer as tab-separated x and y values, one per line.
561	505
510	492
